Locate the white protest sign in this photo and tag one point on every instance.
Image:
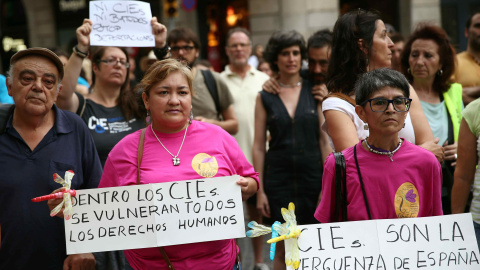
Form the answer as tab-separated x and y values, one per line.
154	215
121	23
443	242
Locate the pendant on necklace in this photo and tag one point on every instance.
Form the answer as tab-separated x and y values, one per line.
176	161
390	155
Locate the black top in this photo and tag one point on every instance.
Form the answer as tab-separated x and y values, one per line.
107	126
293	163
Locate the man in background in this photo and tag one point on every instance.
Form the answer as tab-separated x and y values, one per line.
467	72
244	82
212	102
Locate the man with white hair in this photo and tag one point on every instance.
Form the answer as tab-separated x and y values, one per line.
37	140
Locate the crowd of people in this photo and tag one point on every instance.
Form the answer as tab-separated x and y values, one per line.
285	118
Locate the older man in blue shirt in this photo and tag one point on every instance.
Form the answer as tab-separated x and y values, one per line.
37	140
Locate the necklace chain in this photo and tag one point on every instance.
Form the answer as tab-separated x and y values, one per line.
290	86
175	159
388	153
475	59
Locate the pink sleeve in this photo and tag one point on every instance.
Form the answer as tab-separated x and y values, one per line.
109	176
325	209
238	160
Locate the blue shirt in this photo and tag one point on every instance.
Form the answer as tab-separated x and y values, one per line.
4	97
31	239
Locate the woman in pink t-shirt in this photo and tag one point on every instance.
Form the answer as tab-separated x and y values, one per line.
386	176
177	148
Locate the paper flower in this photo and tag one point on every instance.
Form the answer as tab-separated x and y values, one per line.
287	230
67	201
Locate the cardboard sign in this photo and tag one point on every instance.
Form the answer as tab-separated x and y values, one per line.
154	215
443	242
121	23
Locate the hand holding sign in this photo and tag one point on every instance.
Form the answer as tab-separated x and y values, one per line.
160	32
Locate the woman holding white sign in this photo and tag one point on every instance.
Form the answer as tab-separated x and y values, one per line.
173	148
111	110
386	176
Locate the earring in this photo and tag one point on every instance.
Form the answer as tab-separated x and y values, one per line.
148	119
408	70
190	119
440	73
365	126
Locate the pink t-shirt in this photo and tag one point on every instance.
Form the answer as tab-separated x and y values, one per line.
410	186
208	151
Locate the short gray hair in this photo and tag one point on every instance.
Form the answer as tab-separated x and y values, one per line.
373	81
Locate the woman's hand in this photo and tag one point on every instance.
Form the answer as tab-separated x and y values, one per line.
249	187
83	35
262	204
54	202
450	152
84	261
436	149
160	32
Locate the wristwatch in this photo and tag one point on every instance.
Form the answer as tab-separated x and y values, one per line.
79	53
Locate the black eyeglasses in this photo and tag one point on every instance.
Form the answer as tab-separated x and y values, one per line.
185	48
380	104
113	62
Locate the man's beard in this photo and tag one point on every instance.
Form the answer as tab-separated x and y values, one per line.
474	44
317	78
185	62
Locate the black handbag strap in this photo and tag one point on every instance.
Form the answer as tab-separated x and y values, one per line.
340	208
212	88
361	183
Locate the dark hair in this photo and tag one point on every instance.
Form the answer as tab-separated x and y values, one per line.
126	100
396	37
235	30
469	20
183	34
59	52
281	40
445	51
377	79
320	39
347	60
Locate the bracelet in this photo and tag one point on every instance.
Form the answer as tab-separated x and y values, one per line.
162	53
79	53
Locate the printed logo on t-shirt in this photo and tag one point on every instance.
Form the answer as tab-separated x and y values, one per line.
407	201
205	165
113	125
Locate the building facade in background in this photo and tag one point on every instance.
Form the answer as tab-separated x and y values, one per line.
50	23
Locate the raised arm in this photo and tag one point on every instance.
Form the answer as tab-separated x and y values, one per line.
67	100
258	153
